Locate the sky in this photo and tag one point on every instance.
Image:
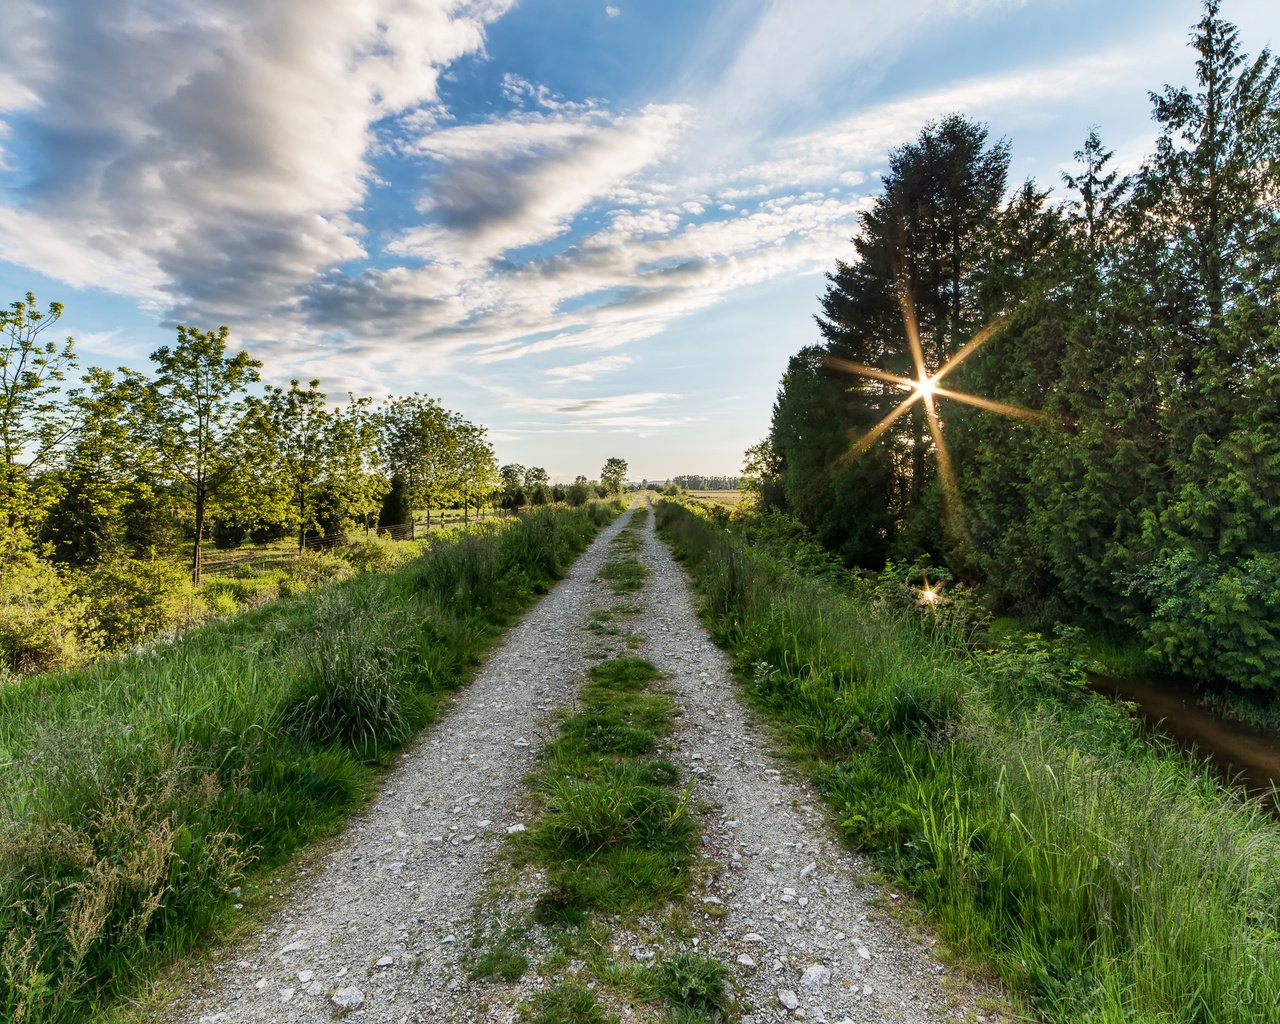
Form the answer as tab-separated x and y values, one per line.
599	229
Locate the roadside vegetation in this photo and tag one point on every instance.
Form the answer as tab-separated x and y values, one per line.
136	791
1104	877
1072	404
614	838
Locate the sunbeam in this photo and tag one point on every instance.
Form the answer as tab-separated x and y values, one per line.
927	387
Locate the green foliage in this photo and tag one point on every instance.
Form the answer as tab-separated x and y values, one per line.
1208	620
42	617
1105	878
694	983
614	475
571	1003
131	600
135	789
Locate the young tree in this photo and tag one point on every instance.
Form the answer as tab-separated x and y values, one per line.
34	423
413	443
535	476
614	475
197	423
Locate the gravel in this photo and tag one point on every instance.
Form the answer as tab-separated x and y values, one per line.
378	932
372	934
800	921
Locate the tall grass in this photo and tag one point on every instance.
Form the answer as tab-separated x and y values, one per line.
134	791
1108	879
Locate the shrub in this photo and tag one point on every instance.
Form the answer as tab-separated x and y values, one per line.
44	623
131	600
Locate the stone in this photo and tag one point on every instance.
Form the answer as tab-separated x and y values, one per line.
294	947
864	952
513	829
815	976
788	999
349	998
745	960
808	870
384	961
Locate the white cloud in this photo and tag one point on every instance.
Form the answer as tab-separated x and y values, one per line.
210	156
612	11
590	370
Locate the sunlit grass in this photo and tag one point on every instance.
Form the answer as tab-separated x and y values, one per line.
1106	878
134	791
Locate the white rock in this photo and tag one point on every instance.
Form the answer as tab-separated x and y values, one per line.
753	937
521	742
867	990
305	976
313	988
349	998
286	994
294	947
513	829
864	952
788	999
815	976
745	960
808	870
384	961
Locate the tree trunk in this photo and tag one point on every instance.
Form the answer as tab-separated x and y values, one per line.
196	556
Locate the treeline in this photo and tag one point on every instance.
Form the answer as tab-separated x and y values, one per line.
532	485
695	482
1088	423
107	485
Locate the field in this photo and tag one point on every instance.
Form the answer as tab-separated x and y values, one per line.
729	499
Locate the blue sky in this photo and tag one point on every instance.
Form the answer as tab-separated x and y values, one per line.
597	228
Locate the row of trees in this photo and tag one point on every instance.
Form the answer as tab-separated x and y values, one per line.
1128	469
532	485
697	482
111	467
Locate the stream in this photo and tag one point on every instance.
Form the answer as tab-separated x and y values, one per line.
1246	756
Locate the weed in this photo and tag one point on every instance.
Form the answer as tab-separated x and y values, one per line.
624	575
693	984
571	1004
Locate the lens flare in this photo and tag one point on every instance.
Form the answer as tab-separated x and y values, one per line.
927	388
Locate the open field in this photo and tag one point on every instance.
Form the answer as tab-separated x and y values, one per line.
729	499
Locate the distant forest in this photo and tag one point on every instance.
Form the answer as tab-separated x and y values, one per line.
696	482
1075	404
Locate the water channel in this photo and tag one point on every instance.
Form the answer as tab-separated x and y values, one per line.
1246	756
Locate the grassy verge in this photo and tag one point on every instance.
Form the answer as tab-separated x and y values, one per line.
134	791
1106	880
614	838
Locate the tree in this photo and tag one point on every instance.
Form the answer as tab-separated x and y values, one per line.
413	443
197	422
33	421
512	477
535	476
614	475
320	457
475	467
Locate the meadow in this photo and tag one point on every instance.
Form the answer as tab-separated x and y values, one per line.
1103	876
137	791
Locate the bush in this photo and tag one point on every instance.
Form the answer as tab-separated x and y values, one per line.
44	623
1212	621
313	569
131	600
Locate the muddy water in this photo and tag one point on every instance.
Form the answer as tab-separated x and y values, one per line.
1246	756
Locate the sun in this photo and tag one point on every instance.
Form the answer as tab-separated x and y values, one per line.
927	388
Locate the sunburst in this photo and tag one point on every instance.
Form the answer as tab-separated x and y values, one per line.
927	387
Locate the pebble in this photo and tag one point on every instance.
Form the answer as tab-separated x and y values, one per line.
788	998
815	976
349	998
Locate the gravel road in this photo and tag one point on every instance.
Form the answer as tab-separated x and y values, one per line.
377	930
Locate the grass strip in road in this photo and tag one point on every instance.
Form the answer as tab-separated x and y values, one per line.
135	790
1106	879
614	836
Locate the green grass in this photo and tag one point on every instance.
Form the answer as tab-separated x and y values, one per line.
615	833
135	791
624	575
570	1003
1107	879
